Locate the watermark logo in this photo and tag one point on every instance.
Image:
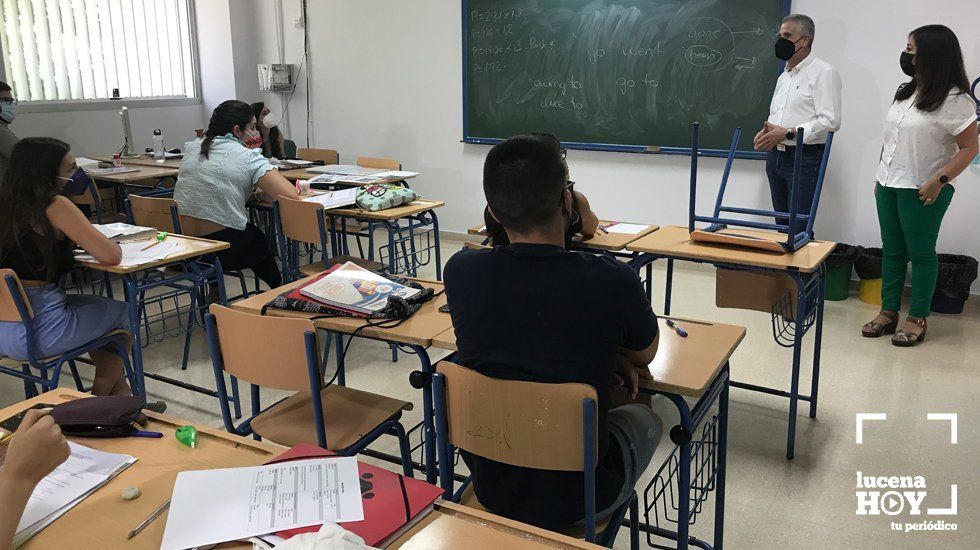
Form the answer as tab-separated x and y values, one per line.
893	495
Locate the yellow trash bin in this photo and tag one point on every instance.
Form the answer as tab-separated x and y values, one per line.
869	291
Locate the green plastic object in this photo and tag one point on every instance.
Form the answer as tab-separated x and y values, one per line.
187	435
838	283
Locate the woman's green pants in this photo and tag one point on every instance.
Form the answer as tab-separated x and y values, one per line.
909	231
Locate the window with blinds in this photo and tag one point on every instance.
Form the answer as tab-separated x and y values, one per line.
84	49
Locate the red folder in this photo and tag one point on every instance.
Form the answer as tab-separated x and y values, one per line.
391	500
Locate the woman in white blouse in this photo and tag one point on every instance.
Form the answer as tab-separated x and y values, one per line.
930	138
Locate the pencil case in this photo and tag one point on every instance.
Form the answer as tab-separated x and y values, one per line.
102	416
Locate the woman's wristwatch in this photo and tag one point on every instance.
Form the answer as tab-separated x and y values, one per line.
944	179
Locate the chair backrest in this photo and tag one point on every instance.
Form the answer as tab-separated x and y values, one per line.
289	148
328	156
153	212
8	304
475	246
528	424
196	227
384	164
90	197
276	359
300	220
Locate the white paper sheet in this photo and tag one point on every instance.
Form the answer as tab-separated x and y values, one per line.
400	174
85	470
133	253
345	169
82	162
119	229
626	228
212	506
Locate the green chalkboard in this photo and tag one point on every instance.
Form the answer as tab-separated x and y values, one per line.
619	74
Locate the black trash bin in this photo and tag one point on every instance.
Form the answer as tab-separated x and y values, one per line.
840	263
956	274
868	267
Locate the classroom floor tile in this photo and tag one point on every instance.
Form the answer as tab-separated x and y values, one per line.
806	503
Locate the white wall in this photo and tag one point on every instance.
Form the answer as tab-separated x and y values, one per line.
386	82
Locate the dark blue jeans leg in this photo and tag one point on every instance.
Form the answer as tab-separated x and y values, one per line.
778	186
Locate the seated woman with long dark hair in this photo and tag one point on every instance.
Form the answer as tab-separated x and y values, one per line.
39	228
273	142
219	173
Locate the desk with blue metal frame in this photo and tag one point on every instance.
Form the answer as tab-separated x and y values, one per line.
122	182
695	366
415	332
195	273
806	269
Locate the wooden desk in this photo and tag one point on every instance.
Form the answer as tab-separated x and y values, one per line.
688	366
305	174
390	214
601	241
790	322
451	526
193	273
143	173
104	519
675	241
193	248
143	160
419	330
685	366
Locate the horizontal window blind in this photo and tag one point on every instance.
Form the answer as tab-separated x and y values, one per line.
83	49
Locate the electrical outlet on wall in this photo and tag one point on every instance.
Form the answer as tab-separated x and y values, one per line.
298	23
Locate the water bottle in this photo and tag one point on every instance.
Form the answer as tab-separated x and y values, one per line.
158	145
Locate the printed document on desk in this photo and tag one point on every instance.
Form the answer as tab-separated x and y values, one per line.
334	199
133	252
345	170
85	471
213	506
624	228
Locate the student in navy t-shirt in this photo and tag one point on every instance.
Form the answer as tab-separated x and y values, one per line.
534	311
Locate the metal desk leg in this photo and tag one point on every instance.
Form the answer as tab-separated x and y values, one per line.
794	390
435	229
681	436
722	460
817	341
132	304
670	285
428	423
649	282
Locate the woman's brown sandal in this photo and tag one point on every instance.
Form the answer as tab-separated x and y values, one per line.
905	338
885	323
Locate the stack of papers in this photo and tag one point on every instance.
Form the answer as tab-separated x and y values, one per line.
124	231
108	171
214	506
290	163
134	255
81	475
334	199
345	170
396	174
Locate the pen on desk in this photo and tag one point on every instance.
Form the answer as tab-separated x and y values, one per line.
156	513
680	332
602	230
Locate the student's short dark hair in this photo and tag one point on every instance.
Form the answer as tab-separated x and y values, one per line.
523	178
4	87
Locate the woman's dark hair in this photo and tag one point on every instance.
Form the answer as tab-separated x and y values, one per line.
225	117
29	185
4	87
270	147
939	68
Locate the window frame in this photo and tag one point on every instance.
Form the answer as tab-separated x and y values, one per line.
68	105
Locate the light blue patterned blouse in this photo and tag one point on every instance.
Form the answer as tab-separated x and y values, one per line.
216	188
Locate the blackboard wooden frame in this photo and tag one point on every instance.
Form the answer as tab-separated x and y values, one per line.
607	147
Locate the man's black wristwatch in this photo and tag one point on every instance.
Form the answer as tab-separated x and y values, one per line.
944	179
791	134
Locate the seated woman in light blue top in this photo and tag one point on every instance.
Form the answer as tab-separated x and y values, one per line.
218	175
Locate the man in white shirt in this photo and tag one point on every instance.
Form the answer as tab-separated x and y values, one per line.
808	96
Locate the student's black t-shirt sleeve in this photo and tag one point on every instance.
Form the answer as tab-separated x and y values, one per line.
639	320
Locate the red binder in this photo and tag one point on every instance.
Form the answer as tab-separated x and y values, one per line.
391	500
